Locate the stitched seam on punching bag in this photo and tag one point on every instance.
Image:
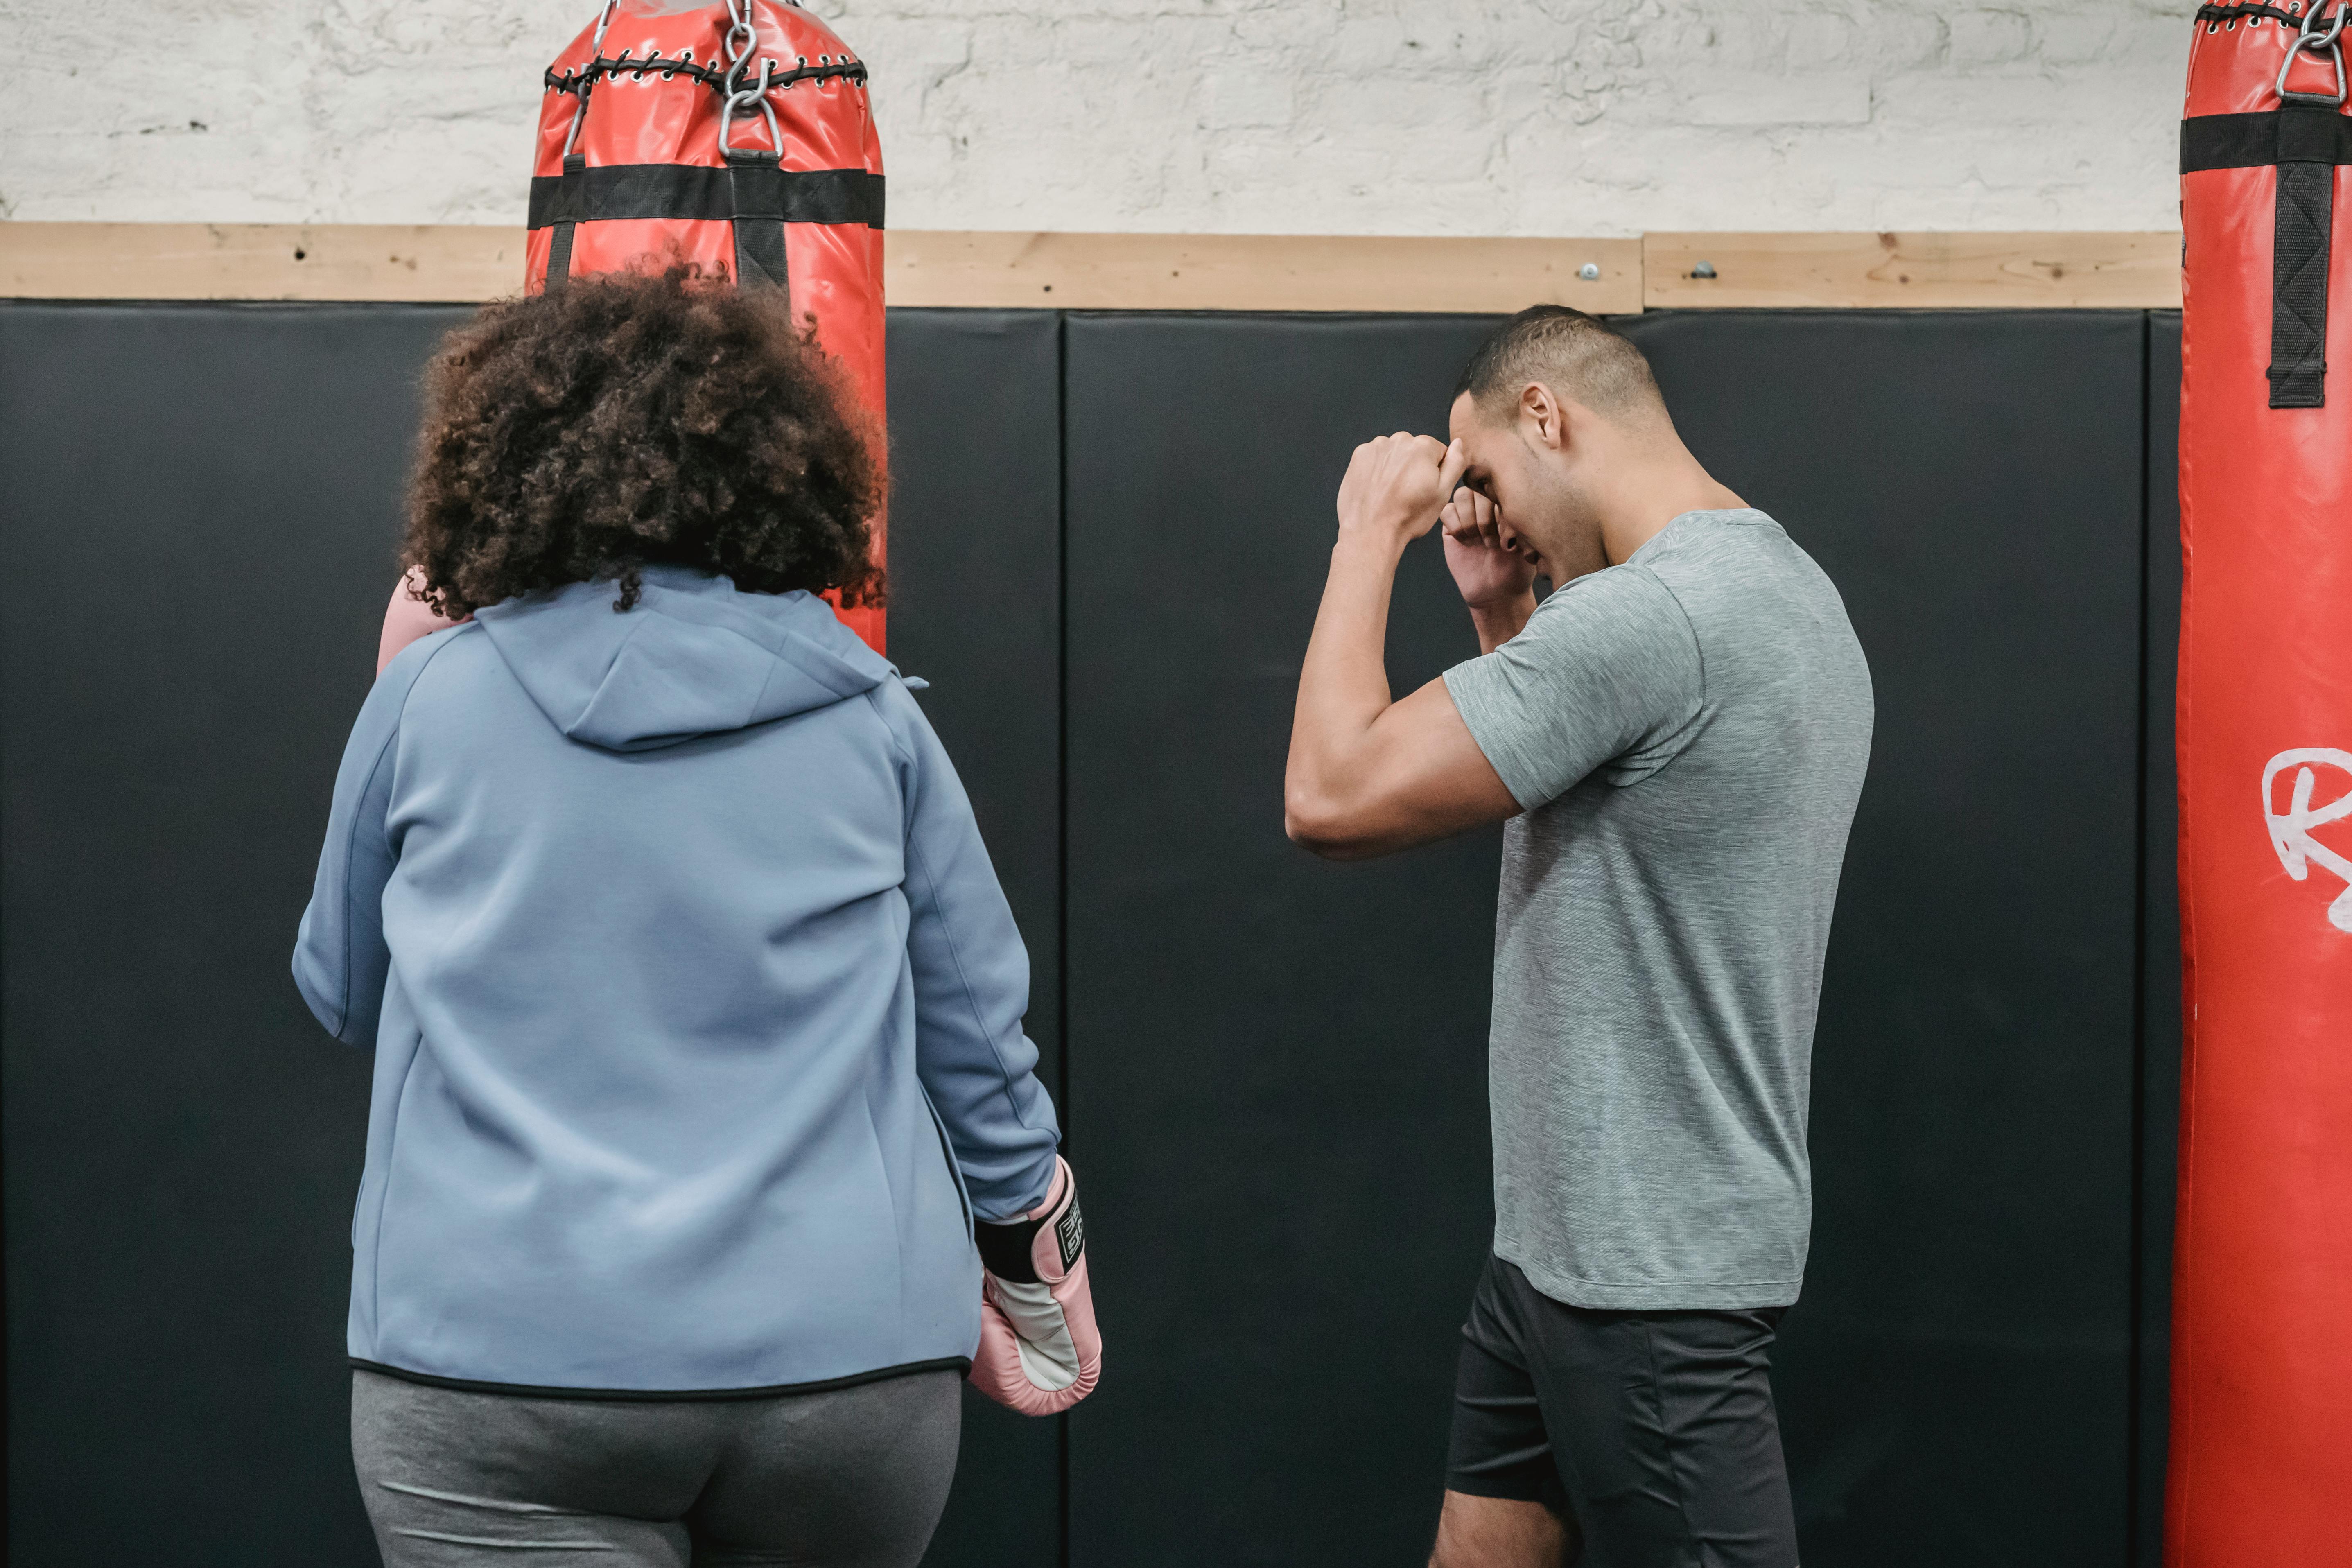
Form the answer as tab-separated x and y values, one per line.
712	76
2233	12
2305	212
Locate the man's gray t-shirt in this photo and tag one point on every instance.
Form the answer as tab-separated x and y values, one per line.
1687	735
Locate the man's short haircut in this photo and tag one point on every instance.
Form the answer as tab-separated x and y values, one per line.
1577	355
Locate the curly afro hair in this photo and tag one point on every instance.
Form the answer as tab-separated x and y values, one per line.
630	421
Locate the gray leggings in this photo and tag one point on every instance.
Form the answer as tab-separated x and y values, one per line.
846	1478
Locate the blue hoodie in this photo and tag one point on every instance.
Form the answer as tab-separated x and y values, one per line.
696	1003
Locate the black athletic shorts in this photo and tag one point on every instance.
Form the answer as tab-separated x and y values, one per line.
1651	1434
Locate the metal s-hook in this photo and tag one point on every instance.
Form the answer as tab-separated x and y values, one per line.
2307	39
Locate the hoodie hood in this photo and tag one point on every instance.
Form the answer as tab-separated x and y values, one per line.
695	657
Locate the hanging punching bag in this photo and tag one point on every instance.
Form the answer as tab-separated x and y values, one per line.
2261	1463
731	135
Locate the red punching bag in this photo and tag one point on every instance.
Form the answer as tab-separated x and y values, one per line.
732	134
2261	1469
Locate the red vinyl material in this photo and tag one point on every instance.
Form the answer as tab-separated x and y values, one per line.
2261	1460
835	268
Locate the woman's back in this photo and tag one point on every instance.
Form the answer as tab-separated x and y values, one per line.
649	1108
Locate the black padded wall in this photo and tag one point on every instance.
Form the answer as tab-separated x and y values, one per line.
1954	1384
976	609
2160	1088
1277	1064
201	512
1274	1068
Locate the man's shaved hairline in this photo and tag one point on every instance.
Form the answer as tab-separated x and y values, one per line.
1570	354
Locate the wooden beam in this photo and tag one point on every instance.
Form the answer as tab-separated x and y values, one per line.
1262	272
445	262
1929	271
1159	272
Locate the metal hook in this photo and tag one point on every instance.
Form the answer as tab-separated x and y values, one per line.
744	99
2317	43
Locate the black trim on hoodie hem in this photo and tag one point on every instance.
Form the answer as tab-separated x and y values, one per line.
955	1364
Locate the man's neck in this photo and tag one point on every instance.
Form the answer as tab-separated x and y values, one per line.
1641	501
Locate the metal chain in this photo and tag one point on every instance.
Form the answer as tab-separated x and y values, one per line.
740	38
588	78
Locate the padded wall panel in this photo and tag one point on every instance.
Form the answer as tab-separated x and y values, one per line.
200	504
1955	1383
1283	1096
2160	1096
975	604
200	510
1277	1064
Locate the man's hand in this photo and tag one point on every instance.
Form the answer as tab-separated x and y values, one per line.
1495	571
1396	485
1489	564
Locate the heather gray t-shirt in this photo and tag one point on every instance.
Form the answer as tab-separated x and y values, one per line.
1687	735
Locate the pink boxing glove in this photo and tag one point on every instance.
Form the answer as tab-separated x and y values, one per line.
1040	1351
406	619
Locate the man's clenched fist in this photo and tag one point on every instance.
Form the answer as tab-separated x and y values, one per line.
1396	486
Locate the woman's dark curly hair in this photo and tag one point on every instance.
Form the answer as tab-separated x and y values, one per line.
630	421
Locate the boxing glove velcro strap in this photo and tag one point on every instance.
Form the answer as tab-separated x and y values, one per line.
1009	1250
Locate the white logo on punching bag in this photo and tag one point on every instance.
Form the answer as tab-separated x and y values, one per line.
2291	829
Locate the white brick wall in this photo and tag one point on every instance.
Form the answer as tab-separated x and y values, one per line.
1534	117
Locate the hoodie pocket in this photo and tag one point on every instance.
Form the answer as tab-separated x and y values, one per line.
947	1153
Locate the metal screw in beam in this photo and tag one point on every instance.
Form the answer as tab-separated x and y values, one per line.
1703	270
1589	271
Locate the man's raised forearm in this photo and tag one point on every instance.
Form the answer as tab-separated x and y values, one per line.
1390	495
1343	686
1498	624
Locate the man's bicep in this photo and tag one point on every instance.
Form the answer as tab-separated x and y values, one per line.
1430	780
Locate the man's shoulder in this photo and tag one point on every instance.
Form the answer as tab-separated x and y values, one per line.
1771	623
1631	590
1708	543
1737	564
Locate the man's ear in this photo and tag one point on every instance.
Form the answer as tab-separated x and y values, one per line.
1542	411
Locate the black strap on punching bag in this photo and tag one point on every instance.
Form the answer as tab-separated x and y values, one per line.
569	198
2304	219
754	192
2302	223
758	182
